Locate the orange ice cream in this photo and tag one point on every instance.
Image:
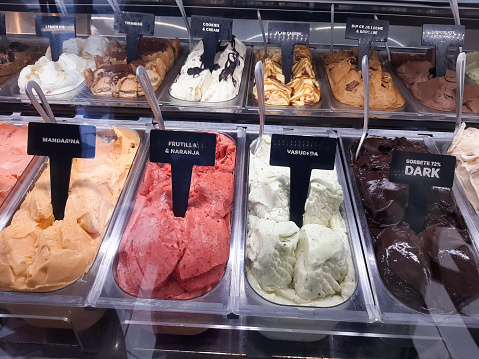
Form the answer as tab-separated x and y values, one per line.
38	253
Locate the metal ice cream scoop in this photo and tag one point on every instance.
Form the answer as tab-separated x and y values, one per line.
259	78
365	73
460	73
44	108
263	34
187	24
145	83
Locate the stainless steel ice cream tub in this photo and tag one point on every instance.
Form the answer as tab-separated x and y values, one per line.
270	317
236	103
391	309
338	106
107	293
323	105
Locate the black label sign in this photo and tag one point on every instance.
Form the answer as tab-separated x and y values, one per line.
211	30
288	35
46	139
3	26
441	37
61	143
57	29
182	150
134	24
301	154
421	171
366	31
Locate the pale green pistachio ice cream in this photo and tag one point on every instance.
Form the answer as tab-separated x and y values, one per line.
286	264
472	66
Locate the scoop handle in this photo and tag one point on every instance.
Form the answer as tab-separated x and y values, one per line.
44	108
185	19
365	74
145	83
460	73
263	34
259	78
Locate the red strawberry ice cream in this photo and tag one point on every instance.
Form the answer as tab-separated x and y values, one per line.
163	256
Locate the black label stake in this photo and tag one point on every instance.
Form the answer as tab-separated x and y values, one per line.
299	185
288	35
301	154
182	150
421	171
3	26
211	30
180	187
3	33
366	31
57	29
441	37
60	173
61	143
135	24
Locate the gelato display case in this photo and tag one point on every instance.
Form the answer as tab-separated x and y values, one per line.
239	273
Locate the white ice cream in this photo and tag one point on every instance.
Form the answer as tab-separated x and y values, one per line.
325	197
66	74
272	253
54	77
94	45
311	265
73	46
321	262
191	88
193	83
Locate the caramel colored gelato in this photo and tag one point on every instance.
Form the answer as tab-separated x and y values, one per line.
346	81
38	253
303	89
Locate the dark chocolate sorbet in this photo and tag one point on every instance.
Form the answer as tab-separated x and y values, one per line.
395	247
432	271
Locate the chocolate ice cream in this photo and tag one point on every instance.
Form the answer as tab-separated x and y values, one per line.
419	269
14	58
438	93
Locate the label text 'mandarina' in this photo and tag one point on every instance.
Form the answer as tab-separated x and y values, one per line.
73	141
